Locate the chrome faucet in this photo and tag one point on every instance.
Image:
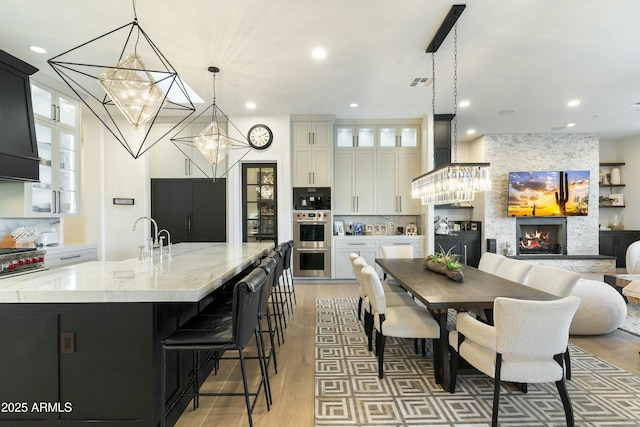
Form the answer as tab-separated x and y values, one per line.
169	240
153	242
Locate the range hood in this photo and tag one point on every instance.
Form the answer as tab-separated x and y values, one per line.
18	146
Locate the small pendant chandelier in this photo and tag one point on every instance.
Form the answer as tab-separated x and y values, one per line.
213	143
451	182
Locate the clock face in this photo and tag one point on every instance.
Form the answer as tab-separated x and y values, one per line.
260	137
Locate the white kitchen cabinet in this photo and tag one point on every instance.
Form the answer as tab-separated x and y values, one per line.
355	136
312	153
395	170
57	125
398	136
168	161
416	241
68	255
354	184
370	248
343	247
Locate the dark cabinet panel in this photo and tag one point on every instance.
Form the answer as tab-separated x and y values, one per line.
27	362
98	366
192	210
615	243
464	243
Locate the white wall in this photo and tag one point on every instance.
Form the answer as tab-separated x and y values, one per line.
628	151
280	153
112	172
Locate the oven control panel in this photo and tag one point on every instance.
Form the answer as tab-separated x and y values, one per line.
312	215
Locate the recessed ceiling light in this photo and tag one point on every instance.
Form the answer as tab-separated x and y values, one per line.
573	103
353	105
319	53
471	131
465	103
250	105
505	112
38	49
570	124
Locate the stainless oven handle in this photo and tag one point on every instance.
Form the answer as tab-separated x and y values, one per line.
312	249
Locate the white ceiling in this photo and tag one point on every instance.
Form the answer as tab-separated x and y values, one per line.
529	56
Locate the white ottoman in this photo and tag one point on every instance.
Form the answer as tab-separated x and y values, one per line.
602	309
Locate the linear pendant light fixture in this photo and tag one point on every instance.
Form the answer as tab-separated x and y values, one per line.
451	182
124	85
213	143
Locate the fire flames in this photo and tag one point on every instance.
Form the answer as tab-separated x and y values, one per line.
536	240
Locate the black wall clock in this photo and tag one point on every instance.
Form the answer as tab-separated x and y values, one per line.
260	137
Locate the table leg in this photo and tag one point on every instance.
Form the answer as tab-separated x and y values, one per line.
441	352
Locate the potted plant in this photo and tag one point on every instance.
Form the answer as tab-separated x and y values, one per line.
445	262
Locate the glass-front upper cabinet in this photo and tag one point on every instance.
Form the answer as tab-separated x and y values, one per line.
355	136
51	105
398	136
259	196
57	133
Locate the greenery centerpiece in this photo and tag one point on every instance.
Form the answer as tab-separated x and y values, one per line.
445	262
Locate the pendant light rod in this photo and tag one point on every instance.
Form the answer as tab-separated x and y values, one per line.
446	26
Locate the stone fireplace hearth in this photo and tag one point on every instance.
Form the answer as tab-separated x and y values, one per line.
541	236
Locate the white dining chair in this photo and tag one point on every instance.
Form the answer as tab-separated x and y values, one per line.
555	281
525	345
632	258
406	321
395	251
393	299
514	270
490	262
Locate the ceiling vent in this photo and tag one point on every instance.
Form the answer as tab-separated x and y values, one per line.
421	82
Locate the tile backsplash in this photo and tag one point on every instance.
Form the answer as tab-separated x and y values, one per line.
41	225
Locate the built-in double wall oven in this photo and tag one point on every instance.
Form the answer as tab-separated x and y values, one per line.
312	238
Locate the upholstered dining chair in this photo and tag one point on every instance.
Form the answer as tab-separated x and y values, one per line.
388	287
632	258
393	298
514	270
490	262
406	321
525	345
396	251
555	281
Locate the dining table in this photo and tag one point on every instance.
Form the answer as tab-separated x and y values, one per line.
439	294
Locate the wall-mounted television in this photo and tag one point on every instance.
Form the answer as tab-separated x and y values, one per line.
548	193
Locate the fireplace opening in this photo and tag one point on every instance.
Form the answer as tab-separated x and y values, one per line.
541	236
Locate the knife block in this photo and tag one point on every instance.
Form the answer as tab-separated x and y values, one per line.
9	243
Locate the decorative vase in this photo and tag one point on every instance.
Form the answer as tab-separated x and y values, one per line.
615	176
455	275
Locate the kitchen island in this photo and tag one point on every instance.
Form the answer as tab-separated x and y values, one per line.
81	344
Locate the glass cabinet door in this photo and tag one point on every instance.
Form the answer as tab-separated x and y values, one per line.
42	192
260	201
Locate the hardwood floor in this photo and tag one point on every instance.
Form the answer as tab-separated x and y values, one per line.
293	386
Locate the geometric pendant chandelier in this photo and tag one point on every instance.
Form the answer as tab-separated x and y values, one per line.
208	146
122	74
451	182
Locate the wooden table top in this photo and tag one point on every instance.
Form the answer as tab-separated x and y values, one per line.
478	290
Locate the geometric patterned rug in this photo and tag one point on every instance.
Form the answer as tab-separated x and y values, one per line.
632	321
348	391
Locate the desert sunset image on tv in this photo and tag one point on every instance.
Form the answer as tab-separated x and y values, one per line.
553	193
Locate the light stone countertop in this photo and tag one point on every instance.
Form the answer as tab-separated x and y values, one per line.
188	274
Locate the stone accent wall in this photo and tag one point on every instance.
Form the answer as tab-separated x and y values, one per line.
540	152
